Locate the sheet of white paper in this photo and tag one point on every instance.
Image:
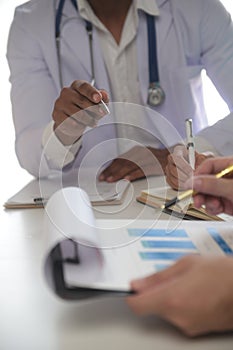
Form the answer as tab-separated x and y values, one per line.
68	216
113	252
153	246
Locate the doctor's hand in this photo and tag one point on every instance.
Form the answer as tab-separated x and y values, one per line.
138	162
195	294
178	170
215	194
78	106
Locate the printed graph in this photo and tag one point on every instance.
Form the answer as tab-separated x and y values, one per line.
162	248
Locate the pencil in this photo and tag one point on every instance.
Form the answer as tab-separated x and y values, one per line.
190	193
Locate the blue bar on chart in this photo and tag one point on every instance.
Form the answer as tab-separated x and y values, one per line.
219	240
161	255
139	232
160	267
181	244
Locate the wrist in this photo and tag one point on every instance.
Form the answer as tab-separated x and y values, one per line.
65	138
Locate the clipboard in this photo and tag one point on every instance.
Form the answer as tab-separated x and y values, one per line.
30	196
77	267
67	292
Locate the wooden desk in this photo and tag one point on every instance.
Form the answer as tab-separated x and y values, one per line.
33	318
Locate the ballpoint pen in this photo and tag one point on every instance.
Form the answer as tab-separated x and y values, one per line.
190	142
190	192
101	103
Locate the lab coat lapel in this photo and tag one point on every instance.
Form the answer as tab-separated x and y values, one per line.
163	23
46	33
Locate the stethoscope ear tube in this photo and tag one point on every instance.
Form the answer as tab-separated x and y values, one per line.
58	19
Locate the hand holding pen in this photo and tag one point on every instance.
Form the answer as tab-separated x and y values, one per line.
183	160
211	186
178	169
79	106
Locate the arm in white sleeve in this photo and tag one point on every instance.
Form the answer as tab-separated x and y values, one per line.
33	87
220	136
56	153
204	147
217	47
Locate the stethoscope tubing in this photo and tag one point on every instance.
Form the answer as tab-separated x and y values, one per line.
156	94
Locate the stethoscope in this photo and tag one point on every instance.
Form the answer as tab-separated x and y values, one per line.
156	94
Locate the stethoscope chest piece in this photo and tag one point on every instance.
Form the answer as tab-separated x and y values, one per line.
156	95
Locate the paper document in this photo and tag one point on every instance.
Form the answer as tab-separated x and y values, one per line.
107	254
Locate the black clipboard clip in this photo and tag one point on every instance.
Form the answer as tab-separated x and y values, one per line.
68	292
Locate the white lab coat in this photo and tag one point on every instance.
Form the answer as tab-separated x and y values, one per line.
191	35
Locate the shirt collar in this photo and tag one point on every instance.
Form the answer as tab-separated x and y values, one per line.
84	8
147	6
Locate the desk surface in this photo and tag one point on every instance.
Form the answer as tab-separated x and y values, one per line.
32	317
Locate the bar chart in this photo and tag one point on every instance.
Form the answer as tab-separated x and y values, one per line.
159	248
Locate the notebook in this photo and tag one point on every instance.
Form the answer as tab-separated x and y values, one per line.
156	197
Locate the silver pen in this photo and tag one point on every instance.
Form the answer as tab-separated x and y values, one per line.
102	103
190	142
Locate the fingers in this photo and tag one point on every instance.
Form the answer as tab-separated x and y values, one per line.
145	170
187	300
160	277
212	186
151	301
118	169
213	205
122	169
77	107
213	165
215	194
135	175
87	91
105	96
155	292
181	151
128	165
178	171
129	172
135	164
199	159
